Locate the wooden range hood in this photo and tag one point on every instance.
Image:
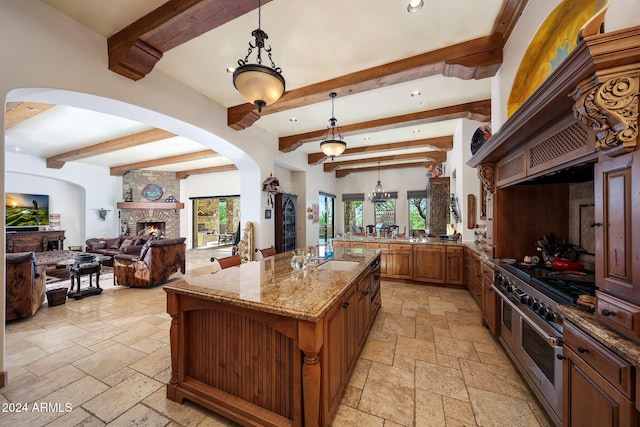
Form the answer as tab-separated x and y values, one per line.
596	86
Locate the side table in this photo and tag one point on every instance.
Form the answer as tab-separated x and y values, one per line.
77	271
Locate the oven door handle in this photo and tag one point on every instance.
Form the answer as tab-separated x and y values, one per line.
552	340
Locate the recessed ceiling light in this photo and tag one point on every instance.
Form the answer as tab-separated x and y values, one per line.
415	93
230	70
293	120
416	131
366	138
415	5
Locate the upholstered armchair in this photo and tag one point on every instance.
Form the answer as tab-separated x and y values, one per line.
25	285
157	261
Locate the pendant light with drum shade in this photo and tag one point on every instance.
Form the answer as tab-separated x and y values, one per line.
331	146
257	83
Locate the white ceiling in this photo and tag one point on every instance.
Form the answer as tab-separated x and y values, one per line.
312	41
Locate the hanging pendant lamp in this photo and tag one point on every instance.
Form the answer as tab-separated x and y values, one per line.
257	83
331	146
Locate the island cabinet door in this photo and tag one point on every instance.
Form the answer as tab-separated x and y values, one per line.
363	296
333	358
429	263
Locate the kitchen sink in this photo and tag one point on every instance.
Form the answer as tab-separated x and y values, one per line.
338	265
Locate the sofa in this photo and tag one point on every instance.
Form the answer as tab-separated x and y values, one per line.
26	285
157	261
130	245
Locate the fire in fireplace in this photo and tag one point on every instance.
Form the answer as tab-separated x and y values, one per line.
152	228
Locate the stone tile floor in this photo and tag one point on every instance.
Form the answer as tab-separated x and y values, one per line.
104	360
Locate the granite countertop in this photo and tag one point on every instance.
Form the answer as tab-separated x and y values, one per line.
272	285
587	322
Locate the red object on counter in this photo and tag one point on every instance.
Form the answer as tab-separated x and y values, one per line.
562	264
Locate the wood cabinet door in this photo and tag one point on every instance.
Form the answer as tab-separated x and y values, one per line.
617	205
490	303
333	356
351	323
400	264
429	263
589	400
363	296
455	267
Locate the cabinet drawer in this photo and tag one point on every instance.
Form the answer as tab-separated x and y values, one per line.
396	247
455	249
341	244
617	314
612	368
487	271
360	245
378	245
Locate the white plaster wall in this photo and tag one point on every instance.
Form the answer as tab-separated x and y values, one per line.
76	191
206	185
466	178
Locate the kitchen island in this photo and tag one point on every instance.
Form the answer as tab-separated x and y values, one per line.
263	344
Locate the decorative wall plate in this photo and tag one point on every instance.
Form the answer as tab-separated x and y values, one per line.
152	192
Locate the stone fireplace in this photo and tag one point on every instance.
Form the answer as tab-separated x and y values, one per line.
138	215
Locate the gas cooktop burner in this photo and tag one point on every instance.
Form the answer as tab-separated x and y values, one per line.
568	285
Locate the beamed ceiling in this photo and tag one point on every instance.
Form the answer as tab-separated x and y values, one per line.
403	80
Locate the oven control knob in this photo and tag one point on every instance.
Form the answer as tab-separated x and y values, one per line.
535	305
542	310
550	316
525	299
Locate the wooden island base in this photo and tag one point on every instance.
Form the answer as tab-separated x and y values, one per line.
264	369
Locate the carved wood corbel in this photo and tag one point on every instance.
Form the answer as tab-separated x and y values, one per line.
487	176
608	104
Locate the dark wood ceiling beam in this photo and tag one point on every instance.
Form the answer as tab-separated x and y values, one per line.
432	156
123	169
135	50
213	169
507	19
17	113
478	110
477	58
151	135
441	143
341	173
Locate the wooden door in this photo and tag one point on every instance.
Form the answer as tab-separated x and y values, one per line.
490	304
429	263
351	324
617	205
334	368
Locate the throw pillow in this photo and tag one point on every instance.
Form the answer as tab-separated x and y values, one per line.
126	242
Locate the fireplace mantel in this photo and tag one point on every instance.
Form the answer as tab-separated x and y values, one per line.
150	205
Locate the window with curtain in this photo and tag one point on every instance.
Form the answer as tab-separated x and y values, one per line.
418	212
353	205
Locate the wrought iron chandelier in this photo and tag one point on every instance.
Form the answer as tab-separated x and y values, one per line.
257	83
331	146
378	195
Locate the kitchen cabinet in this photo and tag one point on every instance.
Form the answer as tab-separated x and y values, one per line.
429	263
285	207
343	337
490	301
597	388
617	185
363	297
399	262
454	265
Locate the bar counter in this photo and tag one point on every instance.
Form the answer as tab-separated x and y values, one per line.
264	344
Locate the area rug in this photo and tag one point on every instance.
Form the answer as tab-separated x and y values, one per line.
57	278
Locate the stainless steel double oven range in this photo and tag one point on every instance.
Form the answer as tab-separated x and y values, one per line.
531	328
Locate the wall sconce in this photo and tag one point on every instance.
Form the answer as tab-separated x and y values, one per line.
102	213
